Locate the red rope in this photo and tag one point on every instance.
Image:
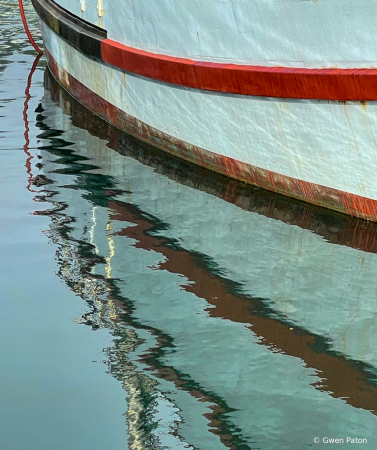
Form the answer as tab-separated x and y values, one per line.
24	21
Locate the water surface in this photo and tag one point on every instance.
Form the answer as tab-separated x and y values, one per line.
150	304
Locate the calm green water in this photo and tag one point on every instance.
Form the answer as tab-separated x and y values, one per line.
147	304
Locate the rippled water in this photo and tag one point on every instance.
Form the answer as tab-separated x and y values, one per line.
147	304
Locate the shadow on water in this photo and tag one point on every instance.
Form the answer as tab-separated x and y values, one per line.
352	381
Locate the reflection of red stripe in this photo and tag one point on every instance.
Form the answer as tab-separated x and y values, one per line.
284	82
340	377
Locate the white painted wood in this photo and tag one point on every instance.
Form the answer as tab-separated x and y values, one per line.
330	33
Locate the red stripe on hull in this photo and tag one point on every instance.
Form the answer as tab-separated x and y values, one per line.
351	204
283	82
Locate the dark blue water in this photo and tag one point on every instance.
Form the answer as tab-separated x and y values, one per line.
148	304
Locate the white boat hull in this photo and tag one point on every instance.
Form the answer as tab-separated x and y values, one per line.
320	151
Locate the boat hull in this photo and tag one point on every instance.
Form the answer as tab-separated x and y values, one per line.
320	151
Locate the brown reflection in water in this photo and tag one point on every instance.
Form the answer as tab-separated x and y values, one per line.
218	408
341	378
75	268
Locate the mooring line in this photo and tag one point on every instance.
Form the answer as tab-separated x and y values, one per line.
24	21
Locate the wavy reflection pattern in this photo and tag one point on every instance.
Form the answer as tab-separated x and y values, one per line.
144	284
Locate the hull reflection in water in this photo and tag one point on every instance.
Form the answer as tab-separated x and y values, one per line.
240	319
